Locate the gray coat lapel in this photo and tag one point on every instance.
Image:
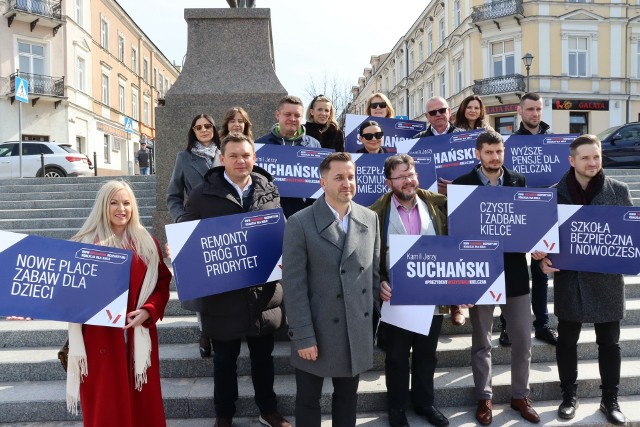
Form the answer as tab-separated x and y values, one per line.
199	166
326	223
357	229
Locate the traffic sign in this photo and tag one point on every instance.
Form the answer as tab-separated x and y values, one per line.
128	124
22	89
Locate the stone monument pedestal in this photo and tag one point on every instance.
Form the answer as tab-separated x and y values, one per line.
229	62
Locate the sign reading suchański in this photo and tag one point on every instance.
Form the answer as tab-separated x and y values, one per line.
394	130
581	104
542	159
221	254
60	280
446	270
599	239
526	219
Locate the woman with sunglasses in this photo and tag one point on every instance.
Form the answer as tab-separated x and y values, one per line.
370	135
202	153
322	125
380	106
471	113
236	119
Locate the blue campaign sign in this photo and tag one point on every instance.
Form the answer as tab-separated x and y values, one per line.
294	169
454	154
128	124
370	180
22	89
526	219
446	270
599	239
60	280
221	254
394	130
542	159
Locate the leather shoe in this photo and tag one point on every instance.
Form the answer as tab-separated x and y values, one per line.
547	334
484	415
613	413
526	410
567	409
222	422
205	346
274	420
398	418
457	318
434	416
504	339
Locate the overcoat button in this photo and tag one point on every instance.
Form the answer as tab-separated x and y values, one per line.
290	333
342	271
339	296
361	268
364	291
336	320
366	314
103	351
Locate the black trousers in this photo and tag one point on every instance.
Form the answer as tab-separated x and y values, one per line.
609	358
225	376
343	401
398	343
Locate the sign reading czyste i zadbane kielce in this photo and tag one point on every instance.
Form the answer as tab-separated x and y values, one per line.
55	279
221	254
526	219
446	270
599	239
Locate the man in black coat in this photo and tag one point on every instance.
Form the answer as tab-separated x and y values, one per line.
253	313
491	171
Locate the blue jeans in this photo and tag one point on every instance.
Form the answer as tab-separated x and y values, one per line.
145	171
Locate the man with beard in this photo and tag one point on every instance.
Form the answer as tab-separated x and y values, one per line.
407	209
491	171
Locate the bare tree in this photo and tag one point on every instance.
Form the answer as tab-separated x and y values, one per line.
339	92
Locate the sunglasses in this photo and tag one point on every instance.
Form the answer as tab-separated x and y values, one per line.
370	136
433	113
206	126
378	105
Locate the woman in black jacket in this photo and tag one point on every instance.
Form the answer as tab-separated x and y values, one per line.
322	125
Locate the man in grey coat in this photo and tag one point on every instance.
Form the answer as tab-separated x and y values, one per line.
580	297
330	277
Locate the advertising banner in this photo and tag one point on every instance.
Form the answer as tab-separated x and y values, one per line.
394	130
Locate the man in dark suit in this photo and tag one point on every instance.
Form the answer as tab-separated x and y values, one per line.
330	265
491	171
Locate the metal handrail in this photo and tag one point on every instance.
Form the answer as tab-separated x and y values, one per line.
39	84
497	9
503	84
48	8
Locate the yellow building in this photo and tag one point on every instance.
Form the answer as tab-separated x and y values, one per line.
585	61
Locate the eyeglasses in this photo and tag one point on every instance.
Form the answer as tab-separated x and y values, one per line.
378	105
433	113
206	126
409	177
370	136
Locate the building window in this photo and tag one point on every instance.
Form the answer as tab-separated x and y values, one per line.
145	69
134	60
502	57
430	93
412	106
505	125
104	34
457	74
31	60
121	97
457	12
78	13
401	69
578	52
386	84
134	103
81	72
429	43
420	109
155	77
411	61
578	122
420	54
394	79
146	110
105	89
120	48
442	85
441	31
161	88
401	107
107	149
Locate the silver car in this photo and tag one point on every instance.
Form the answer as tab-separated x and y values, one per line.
57	161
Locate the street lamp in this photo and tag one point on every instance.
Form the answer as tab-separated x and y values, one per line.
528	60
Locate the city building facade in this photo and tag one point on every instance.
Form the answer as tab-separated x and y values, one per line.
94	78
583	58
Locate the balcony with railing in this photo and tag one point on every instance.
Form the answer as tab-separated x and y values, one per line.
503	84
46	13
497	9
39	86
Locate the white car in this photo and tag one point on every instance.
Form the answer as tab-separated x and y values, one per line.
57	161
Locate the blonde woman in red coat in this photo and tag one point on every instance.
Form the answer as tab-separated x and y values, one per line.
116	373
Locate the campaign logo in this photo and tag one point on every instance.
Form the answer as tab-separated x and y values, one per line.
422	151
464	137
101	256
558	140
313	154
258	220
479	245
533	196
422	160
409	126
632	216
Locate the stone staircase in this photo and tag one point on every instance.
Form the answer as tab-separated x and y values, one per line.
32	381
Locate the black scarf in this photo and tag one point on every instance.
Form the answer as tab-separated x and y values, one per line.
580	196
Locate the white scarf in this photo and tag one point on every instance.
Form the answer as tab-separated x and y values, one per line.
77	367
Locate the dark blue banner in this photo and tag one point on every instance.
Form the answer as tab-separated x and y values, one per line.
599	239
542	159
60	280
526	219
294	169
454	154
395	130
370	178
446	270
221	254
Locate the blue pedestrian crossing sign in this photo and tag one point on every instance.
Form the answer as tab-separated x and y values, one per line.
128	124
22	89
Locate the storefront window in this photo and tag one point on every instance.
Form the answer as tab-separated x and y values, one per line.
505	125
578	123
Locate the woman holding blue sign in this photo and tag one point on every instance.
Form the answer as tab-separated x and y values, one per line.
123	386
370	135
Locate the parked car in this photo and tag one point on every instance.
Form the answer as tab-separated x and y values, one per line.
58	162
69	149
621	146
